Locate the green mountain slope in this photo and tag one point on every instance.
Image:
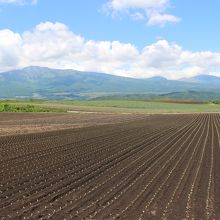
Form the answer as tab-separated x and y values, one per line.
45	83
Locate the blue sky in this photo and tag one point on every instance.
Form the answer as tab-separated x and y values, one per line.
188	31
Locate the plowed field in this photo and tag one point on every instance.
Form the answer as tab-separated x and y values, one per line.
156	167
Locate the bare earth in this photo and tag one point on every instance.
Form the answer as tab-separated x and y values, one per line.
142	167
23	123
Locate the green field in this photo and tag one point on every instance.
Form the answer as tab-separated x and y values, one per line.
121	106
12	107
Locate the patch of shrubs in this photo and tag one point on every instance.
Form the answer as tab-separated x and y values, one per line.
23	108
217	102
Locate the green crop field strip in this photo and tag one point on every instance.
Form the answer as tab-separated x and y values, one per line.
132	106
119	106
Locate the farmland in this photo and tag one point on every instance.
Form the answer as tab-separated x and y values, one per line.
134	167
123	106
23	123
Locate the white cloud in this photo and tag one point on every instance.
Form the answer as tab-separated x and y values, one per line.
152	11
10	46
145	4
55	45
20	2
161	19
9	1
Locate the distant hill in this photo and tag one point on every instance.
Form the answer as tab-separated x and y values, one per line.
188	95
204	79
54	84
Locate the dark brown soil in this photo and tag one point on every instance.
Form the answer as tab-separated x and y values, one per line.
23	123
148	167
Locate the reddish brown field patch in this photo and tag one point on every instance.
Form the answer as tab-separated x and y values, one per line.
177	101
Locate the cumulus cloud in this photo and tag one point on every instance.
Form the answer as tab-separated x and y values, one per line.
152	11
54	45
156	18
10	46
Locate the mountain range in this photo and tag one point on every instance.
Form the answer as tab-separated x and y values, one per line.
54	84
